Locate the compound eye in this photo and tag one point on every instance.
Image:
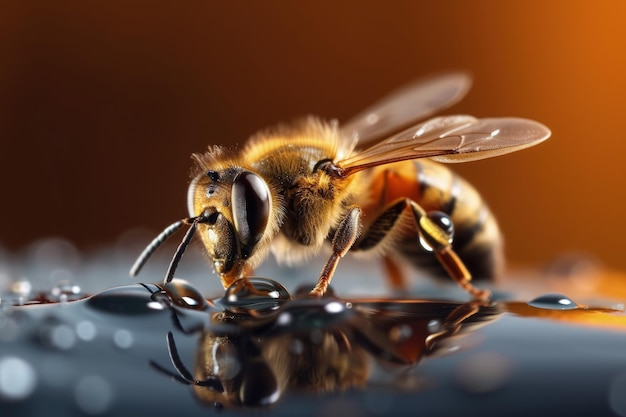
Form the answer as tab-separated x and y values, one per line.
251	202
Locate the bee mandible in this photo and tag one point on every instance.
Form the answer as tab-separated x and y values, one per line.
294	188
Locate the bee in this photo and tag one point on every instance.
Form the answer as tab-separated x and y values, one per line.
295	188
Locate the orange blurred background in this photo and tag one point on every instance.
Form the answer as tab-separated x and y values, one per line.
101	104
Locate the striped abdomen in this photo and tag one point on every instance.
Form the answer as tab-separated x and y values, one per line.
477	238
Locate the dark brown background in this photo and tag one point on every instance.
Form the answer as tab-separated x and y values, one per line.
101	103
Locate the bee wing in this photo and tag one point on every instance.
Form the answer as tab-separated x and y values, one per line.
450	139
407	105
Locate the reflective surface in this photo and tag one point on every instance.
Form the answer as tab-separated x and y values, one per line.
144	349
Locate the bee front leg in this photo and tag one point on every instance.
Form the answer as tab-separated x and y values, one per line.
436	232
345	236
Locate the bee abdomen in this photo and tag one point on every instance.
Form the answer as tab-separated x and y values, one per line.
477	238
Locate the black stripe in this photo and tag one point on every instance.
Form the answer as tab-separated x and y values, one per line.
463	237
449	206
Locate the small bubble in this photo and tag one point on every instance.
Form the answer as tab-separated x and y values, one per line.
59	336
553	302
17	378
400	333
85	330
66	290
434	326
123	339
19	292
93	395
22	287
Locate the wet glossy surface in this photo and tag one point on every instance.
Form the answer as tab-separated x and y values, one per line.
142	349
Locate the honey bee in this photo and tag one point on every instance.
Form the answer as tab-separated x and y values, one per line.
294	188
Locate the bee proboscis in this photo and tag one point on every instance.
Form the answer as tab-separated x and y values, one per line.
294	188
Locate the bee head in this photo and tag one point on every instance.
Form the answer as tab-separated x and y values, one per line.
235	204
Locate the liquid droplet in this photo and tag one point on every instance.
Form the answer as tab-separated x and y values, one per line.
553	302
20	291
185	295
434	326
123	339
267	296
126	300
66	290
57	335
86	330
22	287
17	378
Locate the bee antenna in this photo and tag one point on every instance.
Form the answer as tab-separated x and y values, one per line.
154	245
183	375
183	244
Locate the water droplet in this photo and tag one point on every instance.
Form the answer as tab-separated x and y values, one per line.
434	326
17	378
185	295
86	330
123	339
435	230
58	336
93	395
21	287
267	297
553	302
125	300
20	291
65	290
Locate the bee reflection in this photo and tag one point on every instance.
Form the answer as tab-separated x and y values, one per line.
317	345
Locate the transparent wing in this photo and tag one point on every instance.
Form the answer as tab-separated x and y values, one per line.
450	139
406	106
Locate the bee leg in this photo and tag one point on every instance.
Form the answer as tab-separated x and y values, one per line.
453	323
345	236
394	274
385	226
436	234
